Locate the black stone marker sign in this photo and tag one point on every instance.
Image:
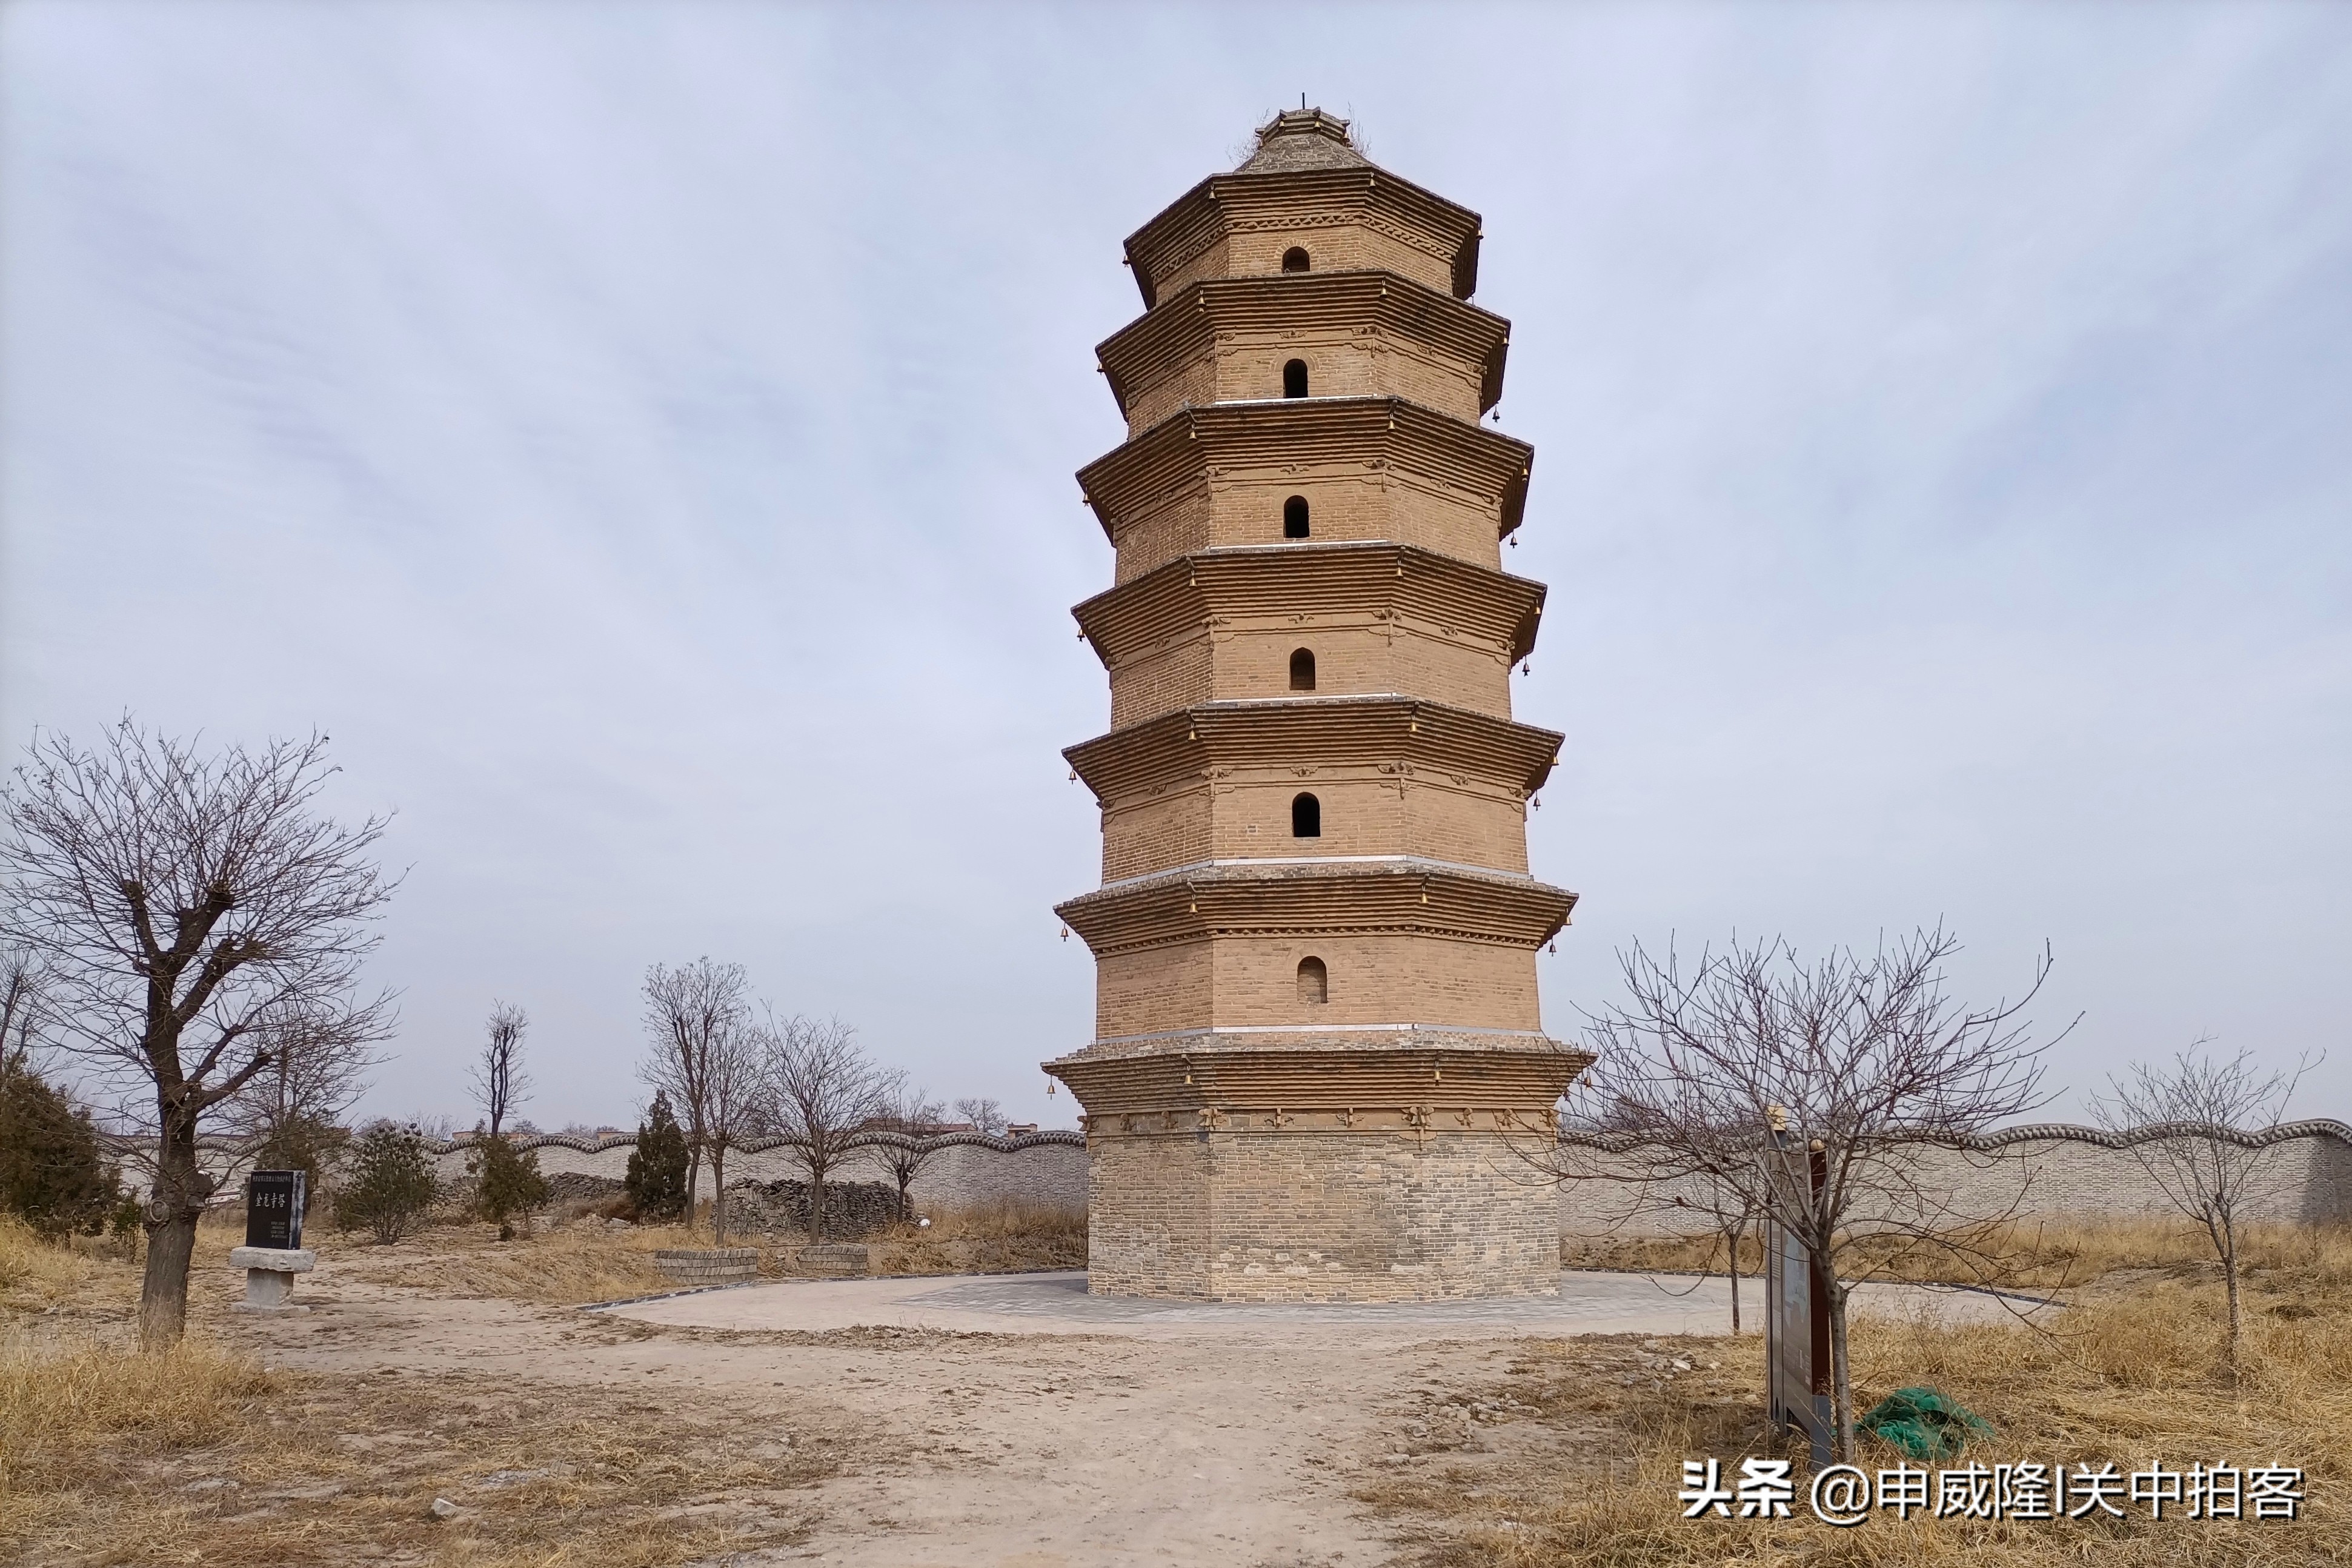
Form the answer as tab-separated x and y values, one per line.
273	1209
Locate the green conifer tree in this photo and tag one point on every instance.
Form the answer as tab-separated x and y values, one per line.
507	1182
53	1174
657	1178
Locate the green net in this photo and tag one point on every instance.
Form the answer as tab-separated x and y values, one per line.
1924	1423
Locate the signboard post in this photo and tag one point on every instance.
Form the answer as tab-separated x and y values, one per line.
1797	1367
273	1251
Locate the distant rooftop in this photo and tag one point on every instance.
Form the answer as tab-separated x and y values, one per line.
1302	138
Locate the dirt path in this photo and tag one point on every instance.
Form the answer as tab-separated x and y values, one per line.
975	1429
1030	1449
1589	1302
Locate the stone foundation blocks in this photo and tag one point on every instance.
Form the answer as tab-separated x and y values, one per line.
270	1276
709	1266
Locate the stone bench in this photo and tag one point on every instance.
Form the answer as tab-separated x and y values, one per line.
709	1266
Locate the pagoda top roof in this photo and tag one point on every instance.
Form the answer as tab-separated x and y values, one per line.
1302	138
1305	154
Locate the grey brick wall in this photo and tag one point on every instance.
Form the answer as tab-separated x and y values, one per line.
2050	1171
967	1168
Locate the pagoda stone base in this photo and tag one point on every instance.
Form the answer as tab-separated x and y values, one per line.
1318	1216
1373	1168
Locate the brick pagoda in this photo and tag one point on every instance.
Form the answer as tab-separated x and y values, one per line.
1318	1057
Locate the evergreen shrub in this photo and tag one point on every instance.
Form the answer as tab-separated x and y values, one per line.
390	1182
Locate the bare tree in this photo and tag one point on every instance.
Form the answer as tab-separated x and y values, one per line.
691	1012
2198	1128
913	1116
984	1115
734	1101
1727	1214
500	1082
22	995
1701	1201
177	903
320	1055
821	1090
1863	1060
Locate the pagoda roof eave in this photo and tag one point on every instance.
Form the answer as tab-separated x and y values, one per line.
1202	206
1175	597
1293	429
1322	731
1406	896
1170	329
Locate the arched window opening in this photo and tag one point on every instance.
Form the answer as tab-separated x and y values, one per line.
1314	982
1302	669
1306	818
1294	259
1294	518
1294	379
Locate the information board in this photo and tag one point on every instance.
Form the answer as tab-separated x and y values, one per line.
1797	1369
273	1209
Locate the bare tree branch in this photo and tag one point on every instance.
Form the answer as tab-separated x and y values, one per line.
320	1051
985	1115
24	1002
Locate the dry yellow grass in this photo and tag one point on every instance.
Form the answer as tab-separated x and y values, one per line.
110	1457
36	1274
578	1263
2131	1373
2041	1255
1009	1219
565	1266
991	1238
58	1402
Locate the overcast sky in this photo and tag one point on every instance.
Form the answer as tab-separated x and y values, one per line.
642	437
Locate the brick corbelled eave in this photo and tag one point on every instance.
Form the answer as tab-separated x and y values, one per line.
1319	575
1222	202
1357	1070
1313	732
1183	325
1389	432
1339	897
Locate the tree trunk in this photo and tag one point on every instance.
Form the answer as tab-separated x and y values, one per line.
816	1202
2229	1280
180	1189
1735	1278
719	1194
693	1177
1842	1379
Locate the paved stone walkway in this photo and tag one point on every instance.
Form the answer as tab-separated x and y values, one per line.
1589	1303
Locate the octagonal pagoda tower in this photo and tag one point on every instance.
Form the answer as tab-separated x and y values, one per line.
1318	1057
